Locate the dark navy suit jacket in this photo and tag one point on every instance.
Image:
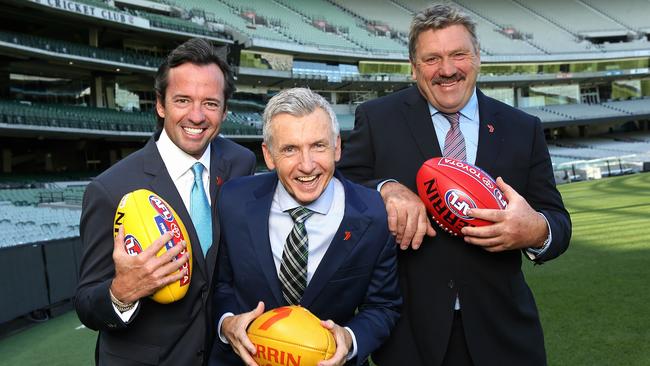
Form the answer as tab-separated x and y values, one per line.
393	136
179	333
357	273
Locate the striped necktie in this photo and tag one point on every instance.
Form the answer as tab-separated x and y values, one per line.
454	141
200	209
293	269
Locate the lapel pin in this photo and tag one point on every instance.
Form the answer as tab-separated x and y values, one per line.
219	181
347	235
490	128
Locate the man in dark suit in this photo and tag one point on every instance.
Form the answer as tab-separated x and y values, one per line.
181	162
465	301
349	275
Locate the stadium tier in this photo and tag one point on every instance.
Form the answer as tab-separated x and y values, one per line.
84	69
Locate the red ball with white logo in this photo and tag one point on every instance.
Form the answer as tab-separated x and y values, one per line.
449	188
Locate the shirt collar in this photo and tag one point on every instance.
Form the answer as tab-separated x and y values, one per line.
321	205
177	161
469	111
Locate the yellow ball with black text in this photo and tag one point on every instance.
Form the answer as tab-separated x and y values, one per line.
146	217
290	336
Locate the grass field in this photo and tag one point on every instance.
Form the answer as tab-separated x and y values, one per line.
593	300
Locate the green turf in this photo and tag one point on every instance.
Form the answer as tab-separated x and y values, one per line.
57	342
593	300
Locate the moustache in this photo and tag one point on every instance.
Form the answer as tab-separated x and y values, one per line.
447	79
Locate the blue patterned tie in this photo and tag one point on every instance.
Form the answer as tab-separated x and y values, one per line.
200	209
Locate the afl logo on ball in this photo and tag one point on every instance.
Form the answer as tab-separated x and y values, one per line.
459	203
131	245
161	208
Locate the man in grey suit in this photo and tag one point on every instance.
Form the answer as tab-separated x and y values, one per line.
185	163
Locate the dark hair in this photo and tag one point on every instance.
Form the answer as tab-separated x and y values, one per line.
196	51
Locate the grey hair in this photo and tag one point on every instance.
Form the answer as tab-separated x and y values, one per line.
439	16
297	102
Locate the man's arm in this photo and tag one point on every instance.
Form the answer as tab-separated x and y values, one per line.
108	275
407	217
520	226
92	299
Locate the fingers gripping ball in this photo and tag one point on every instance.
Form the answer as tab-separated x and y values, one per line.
146	217
450	187
290	336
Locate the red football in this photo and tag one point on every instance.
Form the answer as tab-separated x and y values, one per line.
450	187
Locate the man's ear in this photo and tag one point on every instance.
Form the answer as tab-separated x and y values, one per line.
337	149
268	157
160	106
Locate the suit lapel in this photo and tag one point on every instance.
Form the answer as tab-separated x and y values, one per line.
162	184
219	173
491	132
351	230
257	212
418	119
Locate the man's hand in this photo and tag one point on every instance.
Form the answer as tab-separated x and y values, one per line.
142	275
407	216
516	227
234	329
343	344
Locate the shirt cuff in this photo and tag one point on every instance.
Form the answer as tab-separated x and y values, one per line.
381	184
224	316
127	315
534	253
353	351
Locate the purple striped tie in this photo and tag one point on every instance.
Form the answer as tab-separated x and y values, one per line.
454	141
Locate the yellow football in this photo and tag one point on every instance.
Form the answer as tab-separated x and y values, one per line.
290	336
146	217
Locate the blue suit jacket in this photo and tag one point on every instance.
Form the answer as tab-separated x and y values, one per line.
179	333
357	273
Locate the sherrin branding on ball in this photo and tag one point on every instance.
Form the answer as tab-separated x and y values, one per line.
146	217
290	336
449	188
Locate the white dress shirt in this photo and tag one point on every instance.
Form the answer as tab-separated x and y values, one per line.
179	166
321	227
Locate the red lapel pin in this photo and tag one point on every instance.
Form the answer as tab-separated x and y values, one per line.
347	235
219	181
490	128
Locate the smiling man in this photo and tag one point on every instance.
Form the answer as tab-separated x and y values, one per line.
304	235
182	163
465	300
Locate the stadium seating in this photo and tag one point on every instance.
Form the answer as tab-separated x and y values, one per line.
69	48
631	13
83	117
29	224
573	16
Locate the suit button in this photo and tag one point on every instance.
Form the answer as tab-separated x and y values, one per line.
451	284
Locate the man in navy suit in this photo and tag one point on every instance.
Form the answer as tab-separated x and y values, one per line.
465	301
349	278
192	86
